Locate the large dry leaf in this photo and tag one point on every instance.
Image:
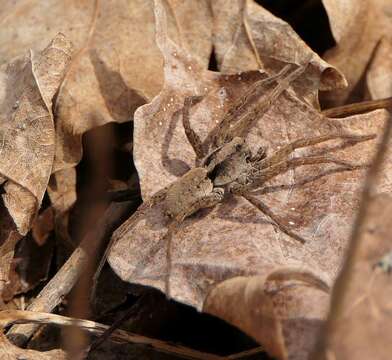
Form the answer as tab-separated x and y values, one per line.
26	127
368	295
358	26
230	261
361	306
248	37
116	66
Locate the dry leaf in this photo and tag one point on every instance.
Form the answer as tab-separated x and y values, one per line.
27	138
116	66
8	239
232	254
27	129
9	351
248	37
358	26
368	294
43	226
361	304
31	263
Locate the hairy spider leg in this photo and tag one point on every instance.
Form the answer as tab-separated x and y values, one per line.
212	199
240	105
236	110
285	151
136	216
241	127
191	135
259	178
268	169
267	211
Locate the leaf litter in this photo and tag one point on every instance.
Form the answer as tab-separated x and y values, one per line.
317	202
240	259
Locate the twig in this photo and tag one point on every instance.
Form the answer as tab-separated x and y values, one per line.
65	279
8	317
358	108
243	354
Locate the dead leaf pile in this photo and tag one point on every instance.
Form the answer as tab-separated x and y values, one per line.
123	70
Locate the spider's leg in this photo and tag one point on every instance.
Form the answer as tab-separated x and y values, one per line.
207	201
131	222
191	135
240	105
260	155
241	127
260	177
267	211
284	152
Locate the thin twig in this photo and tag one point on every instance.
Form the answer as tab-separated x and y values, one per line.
358	108
8	317
243	354
65	279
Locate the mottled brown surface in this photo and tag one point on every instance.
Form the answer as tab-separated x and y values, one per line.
116	65
359	321
234	240
27	131
362	330
27	135
248	37
358	26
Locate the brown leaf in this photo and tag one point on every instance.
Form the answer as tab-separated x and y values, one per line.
367	299
361	302
358	26
8	351
27	129
379	75
116	66
8	239
31	262
248	37
232	254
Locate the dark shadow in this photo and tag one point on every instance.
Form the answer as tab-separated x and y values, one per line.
308	18
120	100
213	63
176	167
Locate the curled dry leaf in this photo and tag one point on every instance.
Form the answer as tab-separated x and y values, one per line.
248	37
27	138
232	254
358	27
27	129
116	66
9	236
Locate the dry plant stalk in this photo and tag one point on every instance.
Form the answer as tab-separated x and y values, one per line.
9	317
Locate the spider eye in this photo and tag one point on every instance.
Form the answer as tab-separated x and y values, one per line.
238	147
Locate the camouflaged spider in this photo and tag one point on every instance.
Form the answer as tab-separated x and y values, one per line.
231	168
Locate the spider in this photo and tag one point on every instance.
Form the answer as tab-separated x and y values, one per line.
229	168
